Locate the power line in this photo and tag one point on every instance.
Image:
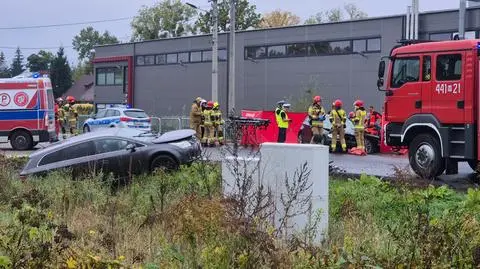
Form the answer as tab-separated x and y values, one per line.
63	24
43	48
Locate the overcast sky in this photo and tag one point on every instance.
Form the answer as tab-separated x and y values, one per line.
33	12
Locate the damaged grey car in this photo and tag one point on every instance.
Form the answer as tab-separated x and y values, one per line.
119	151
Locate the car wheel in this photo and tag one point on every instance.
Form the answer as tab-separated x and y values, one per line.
165	163
425	157
86	129
21	140
370	147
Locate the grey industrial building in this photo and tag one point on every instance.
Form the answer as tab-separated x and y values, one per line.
337	60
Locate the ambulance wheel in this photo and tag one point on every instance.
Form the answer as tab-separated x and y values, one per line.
21	140
425	157
86	129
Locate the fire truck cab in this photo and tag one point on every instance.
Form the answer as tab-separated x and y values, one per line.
431	103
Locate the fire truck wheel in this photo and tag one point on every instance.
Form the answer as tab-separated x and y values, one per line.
425	156
21	140
474	165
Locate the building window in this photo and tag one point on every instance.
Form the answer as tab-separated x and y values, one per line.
359	45
427	68
340	47
374	44
195	56
277	51
441	36
297	50
206	56
109	76
318	48
222	55
149	60
183	57
161	59
255	52
405	70
140	60
172	58
449	67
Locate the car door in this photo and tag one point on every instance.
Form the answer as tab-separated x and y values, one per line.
97	122
405	93
448	91
114	157
109	118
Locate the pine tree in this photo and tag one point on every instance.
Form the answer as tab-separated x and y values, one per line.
3	66
17	63
60	74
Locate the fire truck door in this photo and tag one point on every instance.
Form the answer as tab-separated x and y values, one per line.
448	90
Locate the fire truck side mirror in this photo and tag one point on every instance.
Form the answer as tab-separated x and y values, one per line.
381	69
379	83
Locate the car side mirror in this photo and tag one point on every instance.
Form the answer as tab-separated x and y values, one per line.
130	147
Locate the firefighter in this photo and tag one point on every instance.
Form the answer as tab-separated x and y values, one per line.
203	107
283	121
373	118
218	123
196	117
338	118
71	114
59	116
316	114
358	121
208	134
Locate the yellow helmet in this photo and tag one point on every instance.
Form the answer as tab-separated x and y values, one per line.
215	105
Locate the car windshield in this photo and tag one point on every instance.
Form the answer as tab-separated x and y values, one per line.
135	114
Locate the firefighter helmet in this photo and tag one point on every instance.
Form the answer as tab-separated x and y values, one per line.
317	99
210	104
351	115
358	103
59	100
70	99
198	99
338	103
215	105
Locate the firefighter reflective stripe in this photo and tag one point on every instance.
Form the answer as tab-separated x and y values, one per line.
283	123
339	116
207	117
316	113
359	119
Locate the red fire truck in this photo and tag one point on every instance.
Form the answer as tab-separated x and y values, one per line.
431	104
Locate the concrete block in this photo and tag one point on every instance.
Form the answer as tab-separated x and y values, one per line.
248	167
281	161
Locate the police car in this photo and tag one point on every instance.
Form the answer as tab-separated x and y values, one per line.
121	117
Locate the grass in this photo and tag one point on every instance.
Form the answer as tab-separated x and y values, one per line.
182	221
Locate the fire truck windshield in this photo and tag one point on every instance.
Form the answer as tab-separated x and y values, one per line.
405	70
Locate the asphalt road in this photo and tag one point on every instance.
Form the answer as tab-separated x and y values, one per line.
381	165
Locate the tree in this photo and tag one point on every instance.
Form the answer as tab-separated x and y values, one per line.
3	66
87	39
17	64
279	18
245	14
353	12
337	14
60	74
169	18
40	61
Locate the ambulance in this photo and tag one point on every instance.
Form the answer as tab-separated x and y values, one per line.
27	115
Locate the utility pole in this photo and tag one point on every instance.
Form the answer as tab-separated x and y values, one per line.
231	60
215	52
461	19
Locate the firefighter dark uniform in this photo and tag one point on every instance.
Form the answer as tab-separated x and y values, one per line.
316	114
196	117
218	123
283	122
338	118
208	134
358	121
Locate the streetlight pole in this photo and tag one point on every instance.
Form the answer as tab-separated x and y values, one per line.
231	60
214	47
215	52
